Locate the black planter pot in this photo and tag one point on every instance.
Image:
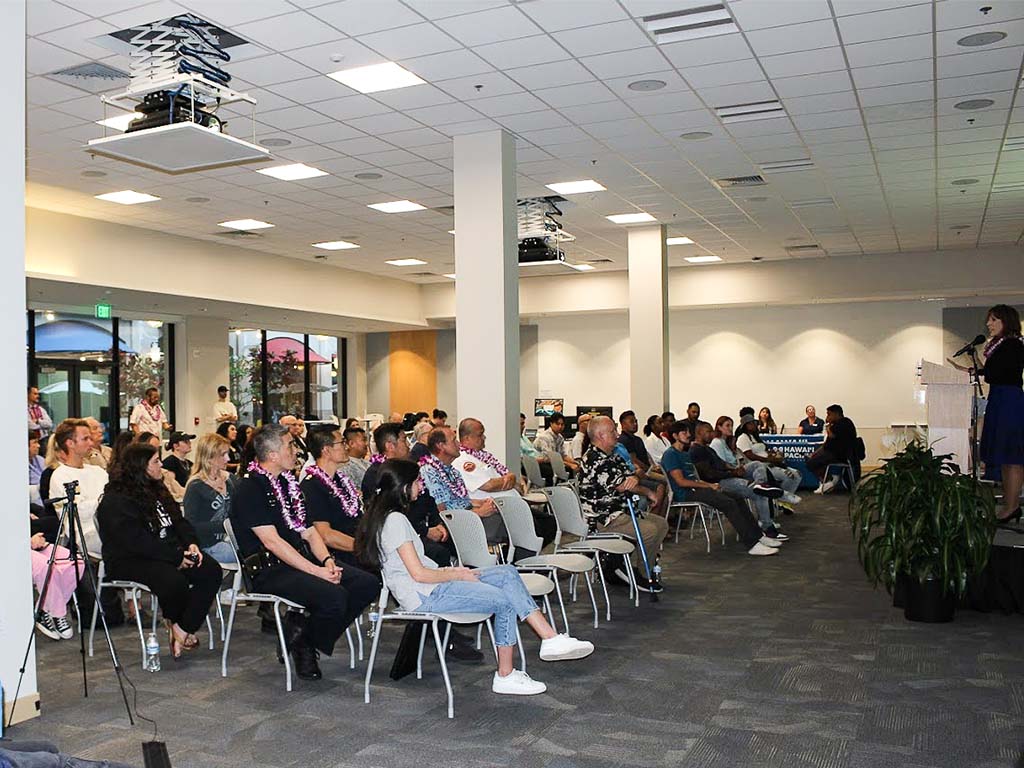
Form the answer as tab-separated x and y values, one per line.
899	591
924	601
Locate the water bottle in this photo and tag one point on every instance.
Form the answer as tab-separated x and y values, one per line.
152	653
372	625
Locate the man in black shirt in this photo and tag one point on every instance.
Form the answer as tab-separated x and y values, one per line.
628	426
269	520
840	447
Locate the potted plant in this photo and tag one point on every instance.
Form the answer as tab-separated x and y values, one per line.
923	529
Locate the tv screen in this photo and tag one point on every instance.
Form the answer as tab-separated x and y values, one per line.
594	410
545	406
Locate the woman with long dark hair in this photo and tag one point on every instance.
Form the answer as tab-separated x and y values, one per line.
765	422
386	540
146	539
229	432
1002	436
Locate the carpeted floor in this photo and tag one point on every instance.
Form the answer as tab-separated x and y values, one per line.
786	661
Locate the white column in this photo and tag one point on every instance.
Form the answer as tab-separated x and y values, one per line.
487	288
202	365
648	320
16	624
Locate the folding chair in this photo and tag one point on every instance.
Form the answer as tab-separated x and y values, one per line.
244	594
845	473
558	466
534	480
432	619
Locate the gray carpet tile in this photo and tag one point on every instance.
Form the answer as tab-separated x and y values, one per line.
785	662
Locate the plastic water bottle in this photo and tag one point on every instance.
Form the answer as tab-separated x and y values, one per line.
374	618
152	653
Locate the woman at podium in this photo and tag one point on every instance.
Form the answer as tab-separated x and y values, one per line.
1002	437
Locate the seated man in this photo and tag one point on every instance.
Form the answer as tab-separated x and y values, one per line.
628	427
577	446
446	486
606	480
289	556
486	477
526	449
687	486
651	486
550	440
418	449
100	455
732	480
72	443
355	447
296	426
840	446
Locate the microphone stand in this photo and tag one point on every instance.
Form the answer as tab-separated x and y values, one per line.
976	399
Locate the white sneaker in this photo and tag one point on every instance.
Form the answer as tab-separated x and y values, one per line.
45	625
791	498
63	627
773	543
826	487
564	648
760	550
517	683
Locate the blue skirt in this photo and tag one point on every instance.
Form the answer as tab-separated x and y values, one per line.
1002	438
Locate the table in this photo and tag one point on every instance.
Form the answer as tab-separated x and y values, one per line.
796	449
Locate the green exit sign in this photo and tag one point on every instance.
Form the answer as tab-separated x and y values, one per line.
103	311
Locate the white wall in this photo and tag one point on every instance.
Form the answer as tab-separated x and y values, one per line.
201	346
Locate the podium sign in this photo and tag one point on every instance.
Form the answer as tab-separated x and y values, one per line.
948	396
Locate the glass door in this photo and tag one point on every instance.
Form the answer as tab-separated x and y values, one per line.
55	390
75	390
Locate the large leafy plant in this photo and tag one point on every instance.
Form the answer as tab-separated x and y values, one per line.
918	517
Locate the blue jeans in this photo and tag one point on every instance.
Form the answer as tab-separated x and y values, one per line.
500	591
787	477
222	553
739	488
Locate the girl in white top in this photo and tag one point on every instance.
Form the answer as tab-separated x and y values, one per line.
386	539
655	443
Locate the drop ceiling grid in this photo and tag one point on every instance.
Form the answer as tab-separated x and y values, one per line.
589	62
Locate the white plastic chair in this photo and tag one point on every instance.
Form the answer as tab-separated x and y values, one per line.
243	594
522	535
558	466
535	480
433	619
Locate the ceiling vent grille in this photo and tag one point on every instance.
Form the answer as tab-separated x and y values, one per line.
690	24
755	110
816	202
598	261
810	249
741	181
1009	186
92	76
1014	142
783	166
240	235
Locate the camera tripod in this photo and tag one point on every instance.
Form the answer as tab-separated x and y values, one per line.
69	516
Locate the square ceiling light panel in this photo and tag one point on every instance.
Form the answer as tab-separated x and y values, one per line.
397	206
293	172
245	225
575	187
630	218
377	77
127	197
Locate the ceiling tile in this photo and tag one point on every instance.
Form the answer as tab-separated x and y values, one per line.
881	25
895	94
742	71
804	62
775	13
492	26
479	86
226	15
573	95
282	33
809	85
794	37
554	15
550	75
707	50
268	70
390	122
539	49
980	61
413	97
359	17
625	63
335	55
603	38
918	71
826	102
411	41
46	15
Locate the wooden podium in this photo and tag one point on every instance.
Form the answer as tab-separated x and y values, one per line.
948	403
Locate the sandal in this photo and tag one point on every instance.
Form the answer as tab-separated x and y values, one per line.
176	645
191	642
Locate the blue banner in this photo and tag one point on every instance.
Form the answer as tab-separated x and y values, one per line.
796	449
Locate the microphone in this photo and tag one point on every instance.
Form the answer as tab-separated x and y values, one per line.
979	339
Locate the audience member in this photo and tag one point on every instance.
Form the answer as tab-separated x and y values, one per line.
687	486
148	415
812	425
550	440
580	442
295	427
692	417
396	417
628	427
208	495
229	432
746	410
445	485
100	455
750	448
117	448
352	423
839	447
242	437
72	442
526	449
605	483
38	419
655	441
653	489
757	472
765	422
178	463
224	411
356	448
52	619
439	418
36	464
146	539
387	540
419	440
176	489
286	557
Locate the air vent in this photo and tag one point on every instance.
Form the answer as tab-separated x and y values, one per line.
690	24
448	210
740	181
810	249
92	76
816	202
240	235
598	261
782	166
1015	142
755	110
424	274
1009	186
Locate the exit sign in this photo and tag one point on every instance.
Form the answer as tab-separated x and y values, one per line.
103	311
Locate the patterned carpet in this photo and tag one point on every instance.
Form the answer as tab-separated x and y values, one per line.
786	661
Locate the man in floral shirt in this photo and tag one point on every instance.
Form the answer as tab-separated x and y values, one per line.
605	483
446	486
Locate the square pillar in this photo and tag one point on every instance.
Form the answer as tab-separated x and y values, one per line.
648	320
487	288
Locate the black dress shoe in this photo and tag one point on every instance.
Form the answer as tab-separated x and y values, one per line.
462	652
305	658
292	625
267	624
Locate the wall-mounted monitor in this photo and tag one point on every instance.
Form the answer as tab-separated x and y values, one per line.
594	410
545	406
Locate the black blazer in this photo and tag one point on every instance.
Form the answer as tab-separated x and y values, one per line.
128	532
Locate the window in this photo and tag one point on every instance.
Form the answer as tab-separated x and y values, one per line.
143	363
246	374
286	375
323	376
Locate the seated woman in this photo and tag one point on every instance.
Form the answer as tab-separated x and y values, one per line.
386	540
229	432
208	496
176	489
750	448
52	620
146	539
765	422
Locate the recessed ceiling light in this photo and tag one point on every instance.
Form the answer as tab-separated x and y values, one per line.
629	218
575	187
449	275
376	77
963	182
94	174
120	122
244	225
981	38
970	104
369	176
335	245
397	206
127	197
405	262
678	241
646	85
274	141
581	267
197	199
702	259
293	172
695	135
960	227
